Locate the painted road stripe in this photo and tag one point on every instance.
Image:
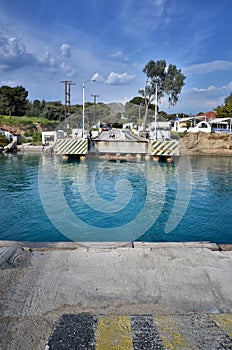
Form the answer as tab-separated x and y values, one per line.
74	332
171	334
142	332
114	333
224	322
192	332
145	334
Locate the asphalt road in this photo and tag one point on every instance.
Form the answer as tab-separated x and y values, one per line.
120	135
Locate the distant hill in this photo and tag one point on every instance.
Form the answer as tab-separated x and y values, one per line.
116	107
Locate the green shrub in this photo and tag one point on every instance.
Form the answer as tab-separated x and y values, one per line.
3	141
178	135
37	138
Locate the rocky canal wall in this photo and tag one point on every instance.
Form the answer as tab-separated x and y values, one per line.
206	144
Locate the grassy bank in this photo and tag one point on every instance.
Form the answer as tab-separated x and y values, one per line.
27	121
28	128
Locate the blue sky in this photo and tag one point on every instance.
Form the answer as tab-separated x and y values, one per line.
45	41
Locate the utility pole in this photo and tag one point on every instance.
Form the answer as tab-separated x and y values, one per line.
83	95
67	95
95	102
156	105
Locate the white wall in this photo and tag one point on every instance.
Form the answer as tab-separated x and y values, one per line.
49	137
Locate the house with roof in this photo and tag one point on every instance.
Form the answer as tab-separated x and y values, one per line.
7	132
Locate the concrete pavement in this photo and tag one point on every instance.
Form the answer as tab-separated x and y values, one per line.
42	282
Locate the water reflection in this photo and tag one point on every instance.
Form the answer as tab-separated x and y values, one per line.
208	216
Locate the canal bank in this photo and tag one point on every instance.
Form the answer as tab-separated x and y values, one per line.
41	282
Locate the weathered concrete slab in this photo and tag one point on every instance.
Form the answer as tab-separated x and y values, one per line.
162	245
227	247
124	147
170	280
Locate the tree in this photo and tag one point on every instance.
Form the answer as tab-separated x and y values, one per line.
34	108
228	99
161	81
224	111
13	100
164	115
137	100
53	111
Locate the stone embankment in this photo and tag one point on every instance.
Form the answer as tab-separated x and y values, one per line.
207	144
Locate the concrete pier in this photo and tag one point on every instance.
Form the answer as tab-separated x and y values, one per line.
42	282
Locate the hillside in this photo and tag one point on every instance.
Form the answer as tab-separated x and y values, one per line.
27	127
116	107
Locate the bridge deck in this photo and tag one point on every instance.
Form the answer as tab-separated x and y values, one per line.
118	142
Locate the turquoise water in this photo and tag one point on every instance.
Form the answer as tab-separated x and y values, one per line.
45	199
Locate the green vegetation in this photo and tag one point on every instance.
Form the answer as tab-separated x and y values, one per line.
28	127
16	120
228	99
3	141
178	135
37	138
13	100
225	111
160	81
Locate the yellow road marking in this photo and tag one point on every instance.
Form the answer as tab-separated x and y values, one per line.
171	334
114	333
224	322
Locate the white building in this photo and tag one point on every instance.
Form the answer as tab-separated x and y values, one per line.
6	133
187	124
49	137
161	130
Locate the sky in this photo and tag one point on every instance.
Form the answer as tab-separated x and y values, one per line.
44	42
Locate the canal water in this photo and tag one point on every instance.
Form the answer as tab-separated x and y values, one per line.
45	199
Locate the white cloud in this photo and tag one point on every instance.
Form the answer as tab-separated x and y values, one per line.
46	59
227	87
13	54
119	79
69	70
65	50
116	54
209	67
202	99
120	55
9	82
159	5
214	90
210	88
98	77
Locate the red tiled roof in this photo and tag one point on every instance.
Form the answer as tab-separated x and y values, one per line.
8	129
209	115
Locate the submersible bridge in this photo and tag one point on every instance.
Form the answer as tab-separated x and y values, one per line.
118	143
